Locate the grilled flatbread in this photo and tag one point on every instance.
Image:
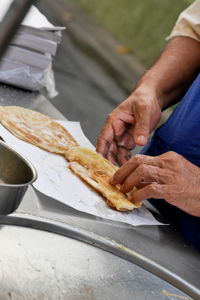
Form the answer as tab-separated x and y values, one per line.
42	131
96	171
37	129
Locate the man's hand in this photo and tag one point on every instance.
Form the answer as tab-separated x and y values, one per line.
129	124
161	86
168	176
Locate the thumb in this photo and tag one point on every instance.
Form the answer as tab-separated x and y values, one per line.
141	129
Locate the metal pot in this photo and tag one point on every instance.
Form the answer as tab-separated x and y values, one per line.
16	173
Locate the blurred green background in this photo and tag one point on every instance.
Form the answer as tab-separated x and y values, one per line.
141	25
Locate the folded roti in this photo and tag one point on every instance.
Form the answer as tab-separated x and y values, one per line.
36	128
96	171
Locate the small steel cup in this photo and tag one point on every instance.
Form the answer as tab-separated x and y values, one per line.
16	173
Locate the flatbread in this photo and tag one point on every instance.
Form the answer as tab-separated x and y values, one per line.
36	128
96	171
91	159
42	131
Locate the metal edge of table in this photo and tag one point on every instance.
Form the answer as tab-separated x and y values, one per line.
104	243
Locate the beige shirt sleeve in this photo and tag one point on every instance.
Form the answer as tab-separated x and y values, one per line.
188	23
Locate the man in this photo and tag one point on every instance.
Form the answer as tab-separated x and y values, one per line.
169	167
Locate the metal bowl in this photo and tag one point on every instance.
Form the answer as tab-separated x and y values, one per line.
16	173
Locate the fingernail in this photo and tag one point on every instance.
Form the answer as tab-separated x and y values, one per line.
122	144
129	197
111	181
141	139
100	153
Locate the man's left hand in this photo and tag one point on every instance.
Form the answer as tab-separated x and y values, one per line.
168	176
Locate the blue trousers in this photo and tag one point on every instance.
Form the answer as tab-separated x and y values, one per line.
180	133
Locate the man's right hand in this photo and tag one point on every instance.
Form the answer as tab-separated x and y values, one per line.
129	125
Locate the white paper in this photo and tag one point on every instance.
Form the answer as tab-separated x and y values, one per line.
34	17
58	182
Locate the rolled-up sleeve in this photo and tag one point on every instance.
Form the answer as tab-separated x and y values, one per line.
188	23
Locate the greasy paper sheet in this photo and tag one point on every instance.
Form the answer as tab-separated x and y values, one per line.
57	181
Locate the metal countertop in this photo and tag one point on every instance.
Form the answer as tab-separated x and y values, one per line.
158	249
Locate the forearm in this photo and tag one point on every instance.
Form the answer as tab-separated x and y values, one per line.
174	71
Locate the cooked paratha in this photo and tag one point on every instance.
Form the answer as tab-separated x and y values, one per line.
36	128
96	171
42	131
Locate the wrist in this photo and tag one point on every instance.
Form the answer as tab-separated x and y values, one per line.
148	87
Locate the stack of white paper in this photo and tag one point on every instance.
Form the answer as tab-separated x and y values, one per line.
28	61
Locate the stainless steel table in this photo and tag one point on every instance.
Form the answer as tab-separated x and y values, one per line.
52	251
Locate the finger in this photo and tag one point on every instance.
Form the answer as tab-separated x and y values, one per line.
154	190
124	171
142	124
119	127
114	127
112	153
143	175
121	121
105	139
123	155
126	140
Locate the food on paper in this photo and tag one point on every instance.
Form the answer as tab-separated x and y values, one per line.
96	171
42	131
37	129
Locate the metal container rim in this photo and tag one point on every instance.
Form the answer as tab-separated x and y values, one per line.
27	162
